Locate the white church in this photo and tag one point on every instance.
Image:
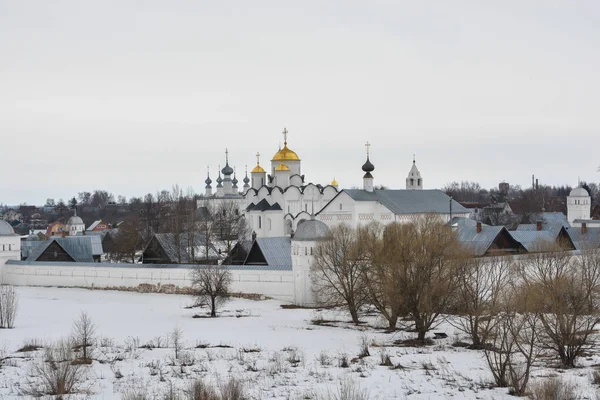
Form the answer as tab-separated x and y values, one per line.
278	202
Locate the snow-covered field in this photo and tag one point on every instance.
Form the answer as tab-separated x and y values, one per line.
277	353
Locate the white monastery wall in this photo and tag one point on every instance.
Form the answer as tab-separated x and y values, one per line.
276	284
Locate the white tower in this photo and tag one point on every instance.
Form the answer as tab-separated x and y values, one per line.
304	244
414	180
578	205
368	168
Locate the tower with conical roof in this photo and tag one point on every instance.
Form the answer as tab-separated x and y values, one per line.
367	169
208	181
286	156
258	174
414	180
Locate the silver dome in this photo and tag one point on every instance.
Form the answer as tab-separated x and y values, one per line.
6	229
75	220
311	230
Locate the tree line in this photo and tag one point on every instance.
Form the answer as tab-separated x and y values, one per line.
418	275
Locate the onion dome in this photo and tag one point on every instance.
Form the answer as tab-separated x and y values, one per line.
219	180
234	181
208	181
367	166
334	182
285	154
227	170
6	229
246	180
282	167
258	168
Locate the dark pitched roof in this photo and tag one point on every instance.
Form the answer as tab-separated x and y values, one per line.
408	201
583	241
274	251
263	205
478	242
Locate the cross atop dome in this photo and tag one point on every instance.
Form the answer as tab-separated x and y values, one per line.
367	145
285	133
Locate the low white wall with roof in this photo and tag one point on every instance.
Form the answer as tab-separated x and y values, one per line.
274	283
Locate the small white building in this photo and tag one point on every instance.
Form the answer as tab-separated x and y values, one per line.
75	225
10	243
304	243
579	208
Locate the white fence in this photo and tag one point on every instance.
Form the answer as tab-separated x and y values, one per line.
278	284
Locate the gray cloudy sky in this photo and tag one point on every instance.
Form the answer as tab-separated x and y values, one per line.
134	96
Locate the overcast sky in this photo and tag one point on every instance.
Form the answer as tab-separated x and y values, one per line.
135	96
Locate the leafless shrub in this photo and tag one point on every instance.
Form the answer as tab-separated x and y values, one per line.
554	389
385	359
343	360
233	389
56	374
324	359
348	389
30	345
136	393
363	344
84	335
596	377
199	390
9	305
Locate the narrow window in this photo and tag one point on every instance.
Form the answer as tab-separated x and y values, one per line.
340	206
259	223
306	251
306	207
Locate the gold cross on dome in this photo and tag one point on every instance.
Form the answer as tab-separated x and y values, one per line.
285	133
367	145
257	158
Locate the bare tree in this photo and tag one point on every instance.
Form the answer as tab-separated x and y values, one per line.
211	285
499	349
129	238
230	224
427	256
337	270
177	339
84	334
564	292
480	296
9	305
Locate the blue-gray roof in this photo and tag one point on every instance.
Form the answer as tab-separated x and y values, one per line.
534	240
584	241
477	242
311	230
409	201
276	250
78	247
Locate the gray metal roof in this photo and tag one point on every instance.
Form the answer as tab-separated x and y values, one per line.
27	246
148	266
78	247
584	241
311	230
477	242
463	221
277	250
531	240
410	201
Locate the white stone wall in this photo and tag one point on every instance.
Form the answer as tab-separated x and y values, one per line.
276	284
10	248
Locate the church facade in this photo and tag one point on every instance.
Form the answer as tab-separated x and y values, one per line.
276	202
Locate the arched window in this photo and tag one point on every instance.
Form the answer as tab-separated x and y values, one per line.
412	181
419	182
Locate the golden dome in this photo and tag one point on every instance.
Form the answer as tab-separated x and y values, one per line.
286	154
282	167
258	168
334	182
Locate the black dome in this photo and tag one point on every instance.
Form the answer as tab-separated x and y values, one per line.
368	167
